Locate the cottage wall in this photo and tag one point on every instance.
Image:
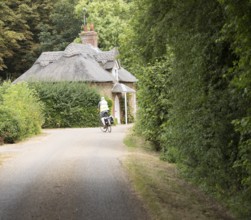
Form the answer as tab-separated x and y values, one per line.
104	89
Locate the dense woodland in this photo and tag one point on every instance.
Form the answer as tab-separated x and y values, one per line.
193	62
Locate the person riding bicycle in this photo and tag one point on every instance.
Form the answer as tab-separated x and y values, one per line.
103	109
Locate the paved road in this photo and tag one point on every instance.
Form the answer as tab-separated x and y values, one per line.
68	174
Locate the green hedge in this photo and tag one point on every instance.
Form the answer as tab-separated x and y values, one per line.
152	117
197	108
20	112
68	104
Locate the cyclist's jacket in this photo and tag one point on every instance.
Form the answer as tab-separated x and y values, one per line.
103	106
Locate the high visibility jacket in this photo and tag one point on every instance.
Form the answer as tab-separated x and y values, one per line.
103	106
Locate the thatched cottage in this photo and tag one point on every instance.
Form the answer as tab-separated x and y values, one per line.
87	63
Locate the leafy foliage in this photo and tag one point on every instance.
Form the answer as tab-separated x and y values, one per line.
237	30
153	100
203	91
109	17
13	29
21	112
62	28
68	104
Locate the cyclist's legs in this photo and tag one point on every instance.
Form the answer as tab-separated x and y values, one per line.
103	115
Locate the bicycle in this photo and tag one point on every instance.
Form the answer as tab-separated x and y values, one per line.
107	127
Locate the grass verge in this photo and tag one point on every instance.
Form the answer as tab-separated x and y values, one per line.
165	194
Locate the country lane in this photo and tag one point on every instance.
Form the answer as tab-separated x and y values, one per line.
68	174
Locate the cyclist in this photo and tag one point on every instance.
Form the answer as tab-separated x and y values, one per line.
103	109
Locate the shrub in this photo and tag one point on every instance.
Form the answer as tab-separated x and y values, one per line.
68	104
9	126
20	112
154	100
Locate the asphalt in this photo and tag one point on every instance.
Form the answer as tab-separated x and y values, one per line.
68	174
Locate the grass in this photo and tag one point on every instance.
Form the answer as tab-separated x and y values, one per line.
165	194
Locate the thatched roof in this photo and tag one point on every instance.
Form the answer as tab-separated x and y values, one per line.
78	62
84	49
109	65
49	57
74	68
121	88
106	56
125	76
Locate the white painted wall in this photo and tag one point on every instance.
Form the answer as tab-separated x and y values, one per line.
117	109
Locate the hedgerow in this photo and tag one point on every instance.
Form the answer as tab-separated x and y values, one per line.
68	104
21	112
198	112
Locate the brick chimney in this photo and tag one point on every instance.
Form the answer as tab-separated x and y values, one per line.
89	36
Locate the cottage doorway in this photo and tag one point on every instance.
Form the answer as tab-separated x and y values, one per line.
117	109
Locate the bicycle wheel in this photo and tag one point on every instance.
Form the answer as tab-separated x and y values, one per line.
103	128
109	128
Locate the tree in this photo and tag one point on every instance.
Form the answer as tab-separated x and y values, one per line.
14	31
109	17
62	28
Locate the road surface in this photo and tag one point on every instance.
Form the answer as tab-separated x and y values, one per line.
68	174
